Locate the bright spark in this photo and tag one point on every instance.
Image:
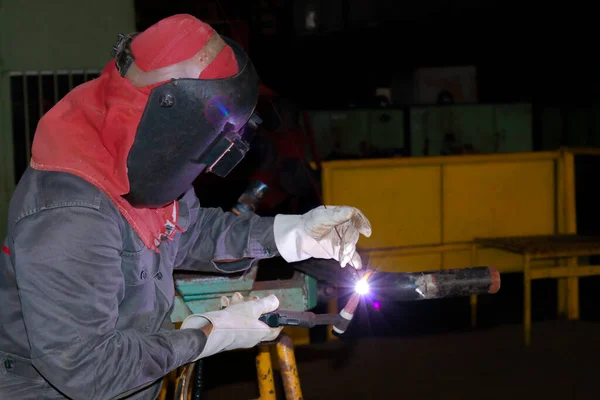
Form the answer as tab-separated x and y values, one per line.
362	287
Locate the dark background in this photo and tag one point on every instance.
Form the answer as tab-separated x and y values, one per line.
523	51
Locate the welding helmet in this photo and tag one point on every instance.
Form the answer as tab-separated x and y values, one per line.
189	125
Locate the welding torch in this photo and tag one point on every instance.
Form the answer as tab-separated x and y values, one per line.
378	285
396	287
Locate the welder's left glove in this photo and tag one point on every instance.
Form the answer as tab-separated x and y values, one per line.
329	232
236	325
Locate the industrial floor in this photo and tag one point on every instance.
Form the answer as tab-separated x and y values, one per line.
427	350
562	363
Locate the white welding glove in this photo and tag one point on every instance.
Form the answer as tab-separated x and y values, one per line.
237	325
324	232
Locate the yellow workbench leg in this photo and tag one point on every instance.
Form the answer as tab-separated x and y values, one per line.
264	373
474	311
474	297
562	297
573	292
527	298
288	368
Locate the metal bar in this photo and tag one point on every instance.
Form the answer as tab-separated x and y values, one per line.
198	389
565	254
434	284
561	226
415	250
70	80
289	368
545	255
26	116
564	272
55	84
571	212
527	302
183	382
473	298
40	96
264	373
437	160
588	151
570	205
52	72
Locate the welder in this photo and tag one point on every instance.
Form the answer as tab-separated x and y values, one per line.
282	147
106	212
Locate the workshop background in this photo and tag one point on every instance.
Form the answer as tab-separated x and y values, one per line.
387	81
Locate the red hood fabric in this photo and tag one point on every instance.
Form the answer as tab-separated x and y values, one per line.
89	133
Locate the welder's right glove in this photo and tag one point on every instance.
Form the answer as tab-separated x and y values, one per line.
324	232
237	325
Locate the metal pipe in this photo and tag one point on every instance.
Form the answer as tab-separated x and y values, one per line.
183	382
288	368
26	117
40	96
70	80
264	373
435	284
197	392
55	87
402	286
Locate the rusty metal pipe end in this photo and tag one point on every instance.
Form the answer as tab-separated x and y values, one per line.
495	279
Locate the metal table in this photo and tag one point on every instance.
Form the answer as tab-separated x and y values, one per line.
559	247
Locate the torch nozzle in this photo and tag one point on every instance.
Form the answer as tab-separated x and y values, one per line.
346	314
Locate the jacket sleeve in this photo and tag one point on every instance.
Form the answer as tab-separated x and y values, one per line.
68	270
225	242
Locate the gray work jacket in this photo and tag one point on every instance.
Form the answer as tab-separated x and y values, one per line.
84	305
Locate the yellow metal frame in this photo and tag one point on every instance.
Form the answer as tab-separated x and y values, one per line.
567	275
410	200
181	378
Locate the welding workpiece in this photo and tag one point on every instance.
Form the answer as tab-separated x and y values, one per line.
460	282
406	286
419	286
